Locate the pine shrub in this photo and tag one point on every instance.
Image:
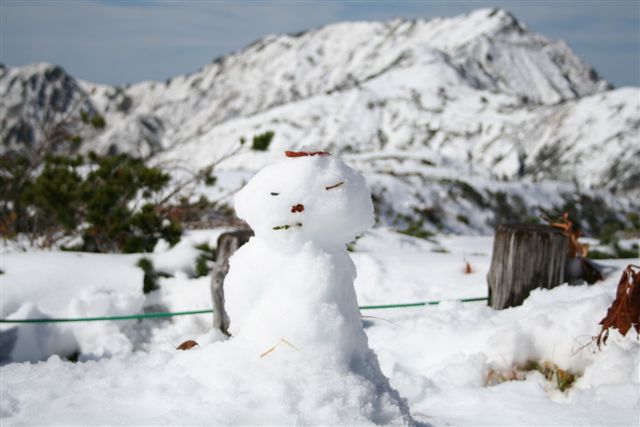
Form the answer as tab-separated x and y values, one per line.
107	200
261	142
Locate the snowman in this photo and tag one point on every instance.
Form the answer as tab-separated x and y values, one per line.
293	282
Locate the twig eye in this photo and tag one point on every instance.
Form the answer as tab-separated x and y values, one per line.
275	194
334	186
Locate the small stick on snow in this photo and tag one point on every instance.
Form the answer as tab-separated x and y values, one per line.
282	340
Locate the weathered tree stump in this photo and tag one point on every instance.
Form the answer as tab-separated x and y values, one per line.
228	243
525	257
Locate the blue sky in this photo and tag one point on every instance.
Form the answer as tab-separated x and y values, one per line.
112	41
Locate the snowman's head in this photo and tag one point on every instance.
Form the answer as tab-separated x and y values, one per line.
309	196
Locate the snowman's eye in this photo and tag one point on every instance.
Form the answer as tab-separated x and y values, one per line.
275	194
334	186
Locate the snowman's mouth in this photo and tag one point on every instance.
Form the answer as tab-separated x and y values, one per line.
287	226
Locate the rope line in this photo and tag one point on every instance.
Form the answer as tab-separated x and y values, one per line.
192	312
418	304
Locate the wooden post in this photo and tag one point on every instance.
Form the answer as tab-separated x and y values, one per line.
228	243
525	257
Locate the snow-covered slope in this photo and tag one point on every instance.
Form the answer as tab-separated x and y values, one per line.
477	93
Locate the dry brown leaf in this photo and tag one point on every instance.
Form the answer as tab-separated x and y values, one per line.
624	312
566	225
467	268
187	345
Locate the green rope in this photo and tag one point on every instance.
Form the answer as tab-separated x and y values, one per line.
95	319
417	304
188	313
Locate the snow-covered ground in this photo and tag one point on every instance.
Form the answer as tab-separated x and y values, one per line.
445	360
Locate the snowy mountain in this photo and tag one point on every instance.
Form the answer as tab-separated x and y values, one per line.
426	108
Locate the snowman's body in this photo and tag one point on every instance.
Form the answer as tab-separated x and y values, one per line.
293	281
305	297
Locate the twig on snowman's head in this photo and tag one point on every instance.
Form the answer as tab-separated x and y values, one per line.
286	227
334	185
305	153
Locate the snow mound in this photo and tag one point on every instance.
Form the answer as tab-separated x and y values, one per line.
220	384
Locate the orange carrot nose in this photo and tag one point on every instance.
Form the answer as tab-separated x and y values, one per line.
297	208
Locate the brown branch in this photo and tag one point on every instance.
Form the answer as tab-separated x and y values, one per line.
201	174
